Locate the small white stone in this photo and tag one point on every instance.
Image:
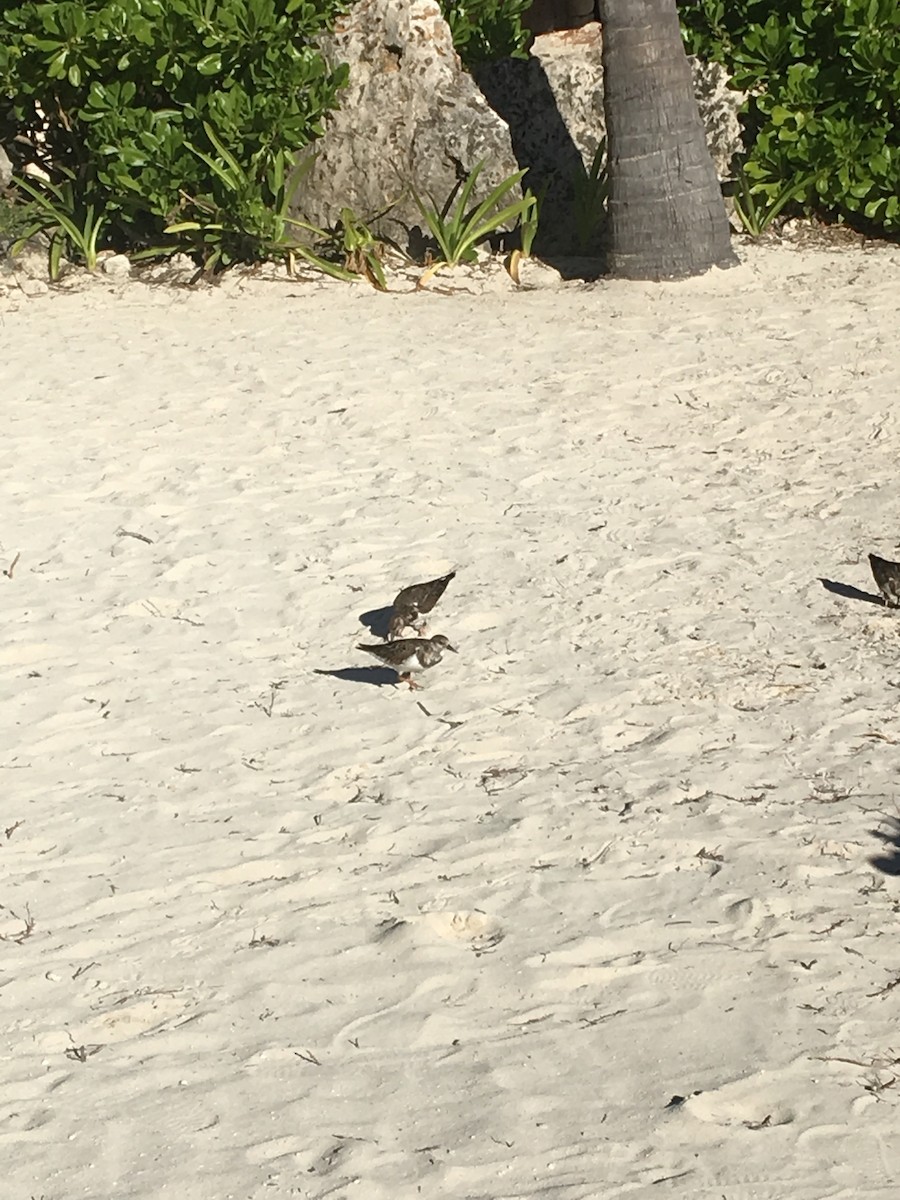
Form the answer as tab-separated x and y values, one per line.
117	267
33	287
536	274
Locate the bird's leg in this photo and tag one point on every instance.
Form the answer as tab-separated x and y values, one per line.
408	679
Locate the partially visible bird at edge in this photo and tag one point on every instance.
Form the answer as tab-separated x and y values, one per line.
887	576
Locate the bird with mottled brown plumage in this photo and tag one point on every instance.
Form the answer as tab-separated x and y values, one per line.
412	602
410	655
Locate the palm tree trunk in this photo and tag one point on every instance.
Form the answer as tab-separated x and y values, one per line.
666	218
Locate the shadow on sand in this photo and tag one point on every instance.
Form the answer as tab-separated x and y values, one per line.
377	621
850	593
378	676
519	91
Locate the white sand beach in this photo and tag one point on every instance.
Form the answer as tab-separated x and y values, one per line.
595	913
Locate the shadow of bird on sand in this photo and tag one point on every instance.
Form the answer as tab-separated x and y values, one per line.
848	592
377	621
379	676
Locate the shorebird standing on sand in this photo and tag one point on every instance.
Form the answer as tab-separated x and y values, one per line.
887	576
408	655
412	601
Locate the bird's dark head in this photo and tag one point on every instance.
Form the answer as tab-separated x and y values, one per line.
443	643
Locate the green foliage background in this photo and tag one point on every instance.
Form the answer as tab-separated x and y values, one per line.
487	29
127	105
823	78
113	97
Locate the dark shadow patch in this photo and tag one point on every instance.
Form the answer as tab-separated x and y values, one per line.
377	676
888	862
518	91
587	268
848	592
377	621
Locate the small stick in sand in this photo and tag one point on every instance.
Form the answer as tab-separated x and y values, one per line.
8	571
140	537
28	924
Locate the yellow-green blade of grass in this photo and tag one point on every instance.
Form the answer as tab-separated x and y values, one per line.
234	180
37	226
478	214
60	217
492	223
190	227
57	245
466	191
93	227
376	272
320	233
157	252
322	264
224	152
437	227
789	194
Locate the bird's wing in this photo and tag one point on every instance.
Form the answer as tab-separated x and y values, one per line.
378	651
428	594
394	652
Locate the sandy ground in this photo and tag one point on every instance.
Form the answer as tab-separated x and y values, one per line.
607	910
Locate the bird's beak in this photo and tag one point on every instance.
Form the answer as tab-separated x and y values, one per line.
453	648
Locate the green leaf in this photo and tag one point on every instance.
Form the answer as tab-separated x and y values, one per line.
79	61
210	64
57	245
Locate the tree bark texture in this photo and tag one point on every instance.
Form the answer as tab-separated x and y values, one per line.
666	216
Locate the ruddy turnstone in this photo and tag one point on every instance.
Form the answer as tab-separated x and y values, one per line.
887	576
407	655
412	602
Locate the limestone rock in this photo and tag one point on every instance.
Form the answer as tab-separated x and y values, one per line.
6	169
33	287
719	107
32	261
117	266
179	270
411	115
536	275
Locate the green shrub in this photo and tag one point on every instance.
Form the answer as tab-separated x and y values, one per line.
114	97
17	218
487	29
823	78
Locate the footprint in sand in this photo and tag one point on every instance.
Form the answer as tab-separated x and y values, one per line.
296	1146
744	1102
146	1015
121	1023
750	916
473	930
